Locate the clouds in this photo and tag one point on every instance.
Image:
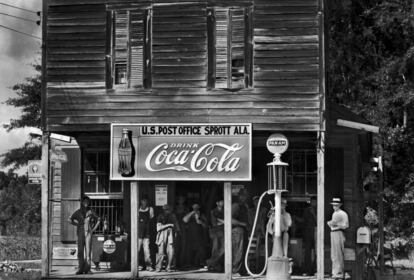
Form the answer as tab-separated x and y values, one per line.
14	44
17	53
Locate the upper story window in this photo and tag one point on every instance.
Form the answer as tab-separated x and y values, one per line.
130	49
230	47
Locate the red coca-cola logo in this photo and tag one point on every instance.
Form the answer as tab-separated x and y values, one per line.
194	157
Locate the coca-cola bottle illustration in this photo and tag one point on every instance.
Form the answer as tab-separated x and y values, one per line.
126	154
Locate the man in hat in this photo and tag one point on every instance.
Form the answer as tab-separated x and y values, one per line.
196	229
167	226
338	224
86	222
145	216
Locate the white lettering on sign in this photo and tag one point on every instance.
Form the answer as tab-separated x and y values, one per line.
209	157
277	143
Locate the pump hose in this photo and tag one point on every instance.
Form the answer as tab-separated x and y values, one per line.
246	262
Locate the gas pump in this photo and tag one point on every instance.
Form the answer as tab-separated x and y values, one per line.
277	266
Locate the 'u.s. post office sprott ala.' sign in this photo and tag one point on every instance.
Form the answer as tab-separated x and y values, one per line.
203	152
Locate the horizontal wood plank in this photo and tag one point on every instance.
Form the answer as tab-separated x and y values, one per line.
285	93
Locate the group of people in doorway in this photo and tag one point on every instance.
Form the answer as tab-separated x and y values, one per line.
186	238
182	234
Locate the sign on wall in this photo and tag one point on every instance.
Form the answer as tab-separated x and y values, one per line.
65	253
34	171
161	195
203	152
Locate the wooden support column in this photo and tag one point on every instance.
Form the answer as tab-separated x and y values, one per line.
320	256
45	206
134	229
227	232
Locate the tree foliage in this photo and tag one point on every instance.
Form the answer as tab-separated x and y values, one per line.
18	157
19	205
28	100
371	71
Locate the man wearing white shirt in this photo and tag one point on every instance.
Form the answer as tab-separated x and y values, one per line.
338	224
285	224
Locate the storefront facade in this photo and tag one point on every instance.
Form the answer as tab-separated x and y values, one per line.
255	65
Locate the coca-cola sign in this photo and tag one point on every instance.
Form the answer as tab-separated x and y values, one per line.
215	152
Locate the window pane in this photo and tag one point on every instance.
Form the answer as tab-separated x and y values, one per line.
103	162
120	73
299	183
311	165
311	186
116	186
103	183
90	183
298	162
90	162
290	183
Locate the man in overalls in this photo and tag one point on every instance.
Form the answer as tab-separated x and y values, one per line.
86	222
167	226
145	216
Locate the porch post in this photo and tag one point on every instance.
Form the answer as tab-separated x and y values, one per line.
134	229
45	206
227	231
320	258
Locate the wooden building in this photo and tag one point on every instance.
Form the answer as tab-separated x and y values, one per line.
260	62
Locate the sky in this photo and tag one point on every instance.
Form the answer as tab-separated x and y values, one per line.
17	53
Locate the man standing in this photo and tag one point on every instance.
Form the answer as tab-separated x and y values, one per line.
240	227
215	263
285	224
167	226
309	237
338	224
86	222
196	227
145	216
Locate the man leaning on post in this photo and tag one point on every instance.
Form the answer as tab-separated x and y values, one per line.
86	222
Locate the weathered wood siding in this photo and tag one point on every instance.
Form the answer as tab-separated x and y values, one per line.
285	93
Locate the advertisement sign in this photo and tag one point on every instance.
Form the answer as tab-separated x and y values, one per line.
65	253
199	152
34	171
161	195
277	143
109	246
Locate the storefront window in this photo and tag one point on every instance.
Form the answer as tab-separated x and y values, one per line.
302	172
106	195
96	175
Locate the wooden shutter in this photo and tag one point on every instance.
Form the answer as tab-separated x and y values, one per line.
237	47
131	35
137	35
230	52
71	191
222	47
120	47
